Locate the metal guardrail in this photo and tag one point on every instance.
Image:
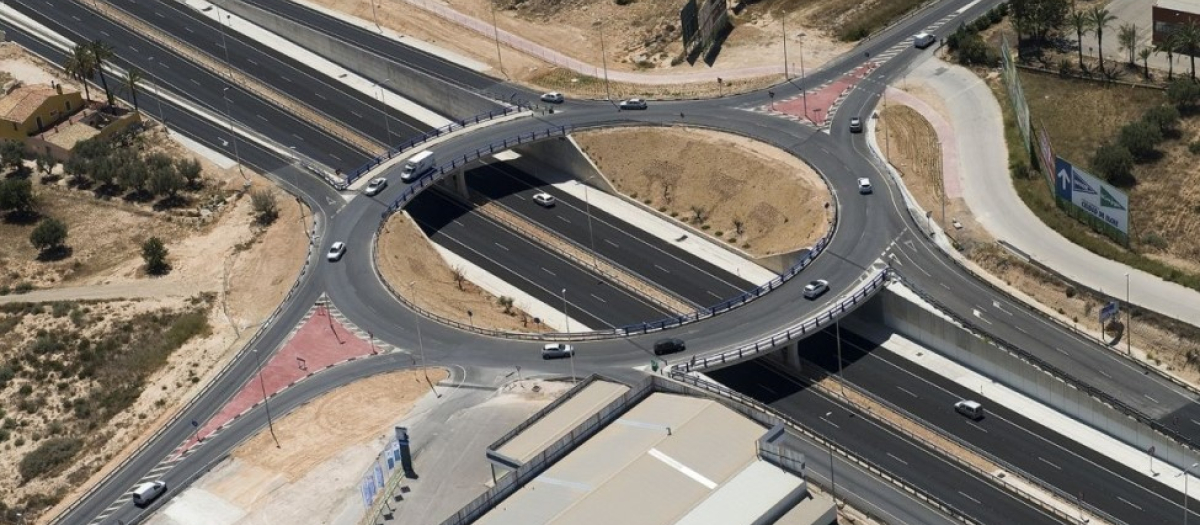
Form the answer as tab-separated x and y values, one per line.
1064	376
767	415
977	450
797	331
426	137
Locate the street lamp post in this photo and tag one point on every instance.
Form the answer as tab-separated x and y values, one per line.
496	33
221	29
232	134
604	61
841	378
567	320
803	91
158	97
1185	490
387	122
375	15
832	478
941	181
591	238
420	340
1128	319
266	402
783	28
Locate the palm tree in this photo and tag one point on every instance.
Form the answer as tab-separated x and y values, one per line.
1100	20
102	51
1144	54
1128	34
1082	25
1189	41
1169	45
81	65
130	82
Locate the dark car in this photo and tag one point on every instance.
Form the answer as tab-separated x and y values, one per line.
669	346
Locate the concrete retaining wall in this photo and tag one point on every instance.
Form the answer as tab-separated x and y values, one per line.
443	97
952	341
560	160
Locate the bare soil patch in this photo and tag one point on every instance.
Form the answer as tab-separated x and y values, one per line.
714	181
405	255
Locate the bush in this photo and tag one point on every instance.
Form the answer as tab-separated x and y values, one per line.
1155	240
49	234
1183	93
1115	163
266	210
1140	138
155	255
49	456
16	195
1164	118
973	51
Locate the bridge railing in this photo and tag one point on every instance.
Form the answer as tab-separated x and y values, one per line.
797	331
457	125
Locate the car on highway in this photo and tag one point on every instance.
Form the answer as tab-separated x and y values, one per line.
544	199
375	186
923	40
336	251
552	97
855	125
971	409
815	288
556	350
669	346
633	103
146	493
864	185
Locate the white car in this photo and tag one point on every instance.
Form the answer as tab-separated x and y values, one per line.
814	289
375	186
554	350
336	251
633	103
552	97
864	185
923	40
544	199
855	125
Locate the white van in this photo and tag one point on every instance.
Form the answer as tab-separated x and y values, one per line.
148	492
417	165
971	409
923	40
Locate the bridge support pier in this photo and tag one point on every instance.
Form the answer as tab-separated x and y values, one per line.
791	355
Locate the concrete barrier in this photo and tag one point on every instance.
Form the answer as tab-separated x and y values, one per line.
449	99
951	340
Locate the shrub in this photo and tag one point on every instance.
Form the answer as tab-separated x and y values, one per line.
1183	93
1140	138
49	456
1115	163
1155	240
49	234
155	255
1164	118
266	210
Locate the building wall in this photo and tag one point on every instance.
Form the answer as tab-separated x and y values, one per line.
1168	20
52	110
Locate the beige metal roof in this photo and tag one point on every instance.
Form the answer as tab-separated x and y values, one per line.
584	404
652	466
1187	6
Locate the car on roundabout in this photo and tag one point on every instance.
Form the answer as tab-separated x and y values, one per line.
336	251
816	288
557	350
856	125
375	186
553	97
864	186
633	103
544	199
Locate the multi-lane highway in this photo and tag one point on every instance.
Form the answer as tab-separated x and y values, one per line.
867	230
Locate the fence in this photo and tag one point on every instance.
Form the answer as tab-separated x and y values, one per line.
773	341
426	137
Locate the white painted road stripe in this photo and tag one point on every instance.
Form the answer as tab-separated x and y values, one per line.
964	8
671	462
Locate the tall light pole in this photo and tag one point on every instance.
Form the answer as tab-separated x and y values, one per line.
420	340
232	135
387	122
375	15
783	29
841	378
496	33
221	29
803	91
1185	490
567	320
832	479
158	97
941	181
604	61
591	238
266	402
1128	320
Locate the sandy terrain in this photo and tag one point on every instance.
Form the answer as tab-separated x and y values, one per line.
405	255
778	198
641	36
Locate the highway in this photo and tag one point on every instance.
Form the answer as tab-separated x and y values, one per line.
968	493
865	232
657	261
1016	440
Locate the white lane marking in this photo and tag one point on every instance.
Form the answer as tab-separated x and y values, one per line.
502	247
615	245
906	391
598	298
105	33
1022	330
286	79
1152	400
188	29
671	462
194	81
964	8
835	425
1001	308
564	219
549	272
1130	503
320	95
965	495
1103	373
1064	352
355	113
1048	462
251	60
709	292
893	456
260	117
664	270
979	314
944	286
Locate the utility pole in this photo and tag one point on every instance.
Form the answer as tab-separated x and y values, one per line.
803	91
221	28
591	237
841	378
604	60
783	29
1128	320
496	32
375	15
387	123
266	402
232	134
161	116
1185	490
941	181
420	340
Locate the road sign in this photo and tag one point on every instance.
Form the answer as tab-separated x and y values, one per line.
1109	311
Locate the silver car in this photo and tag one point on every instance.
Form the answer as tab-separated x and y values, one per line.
375	186
555	350
552	97
815	288
633	103
336	251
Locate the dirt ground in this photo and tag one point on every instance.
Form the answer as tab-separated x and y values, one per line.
640	36
405	255
777	197
213	249
1174	349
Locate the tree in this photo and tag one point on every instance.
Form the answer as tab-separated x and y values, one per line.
12	154
132	77
266	210
132	175
1144	54
1163	118
1169	45
81	66
49	235
101	51
16	195
1115	164
1037	18
155	255
1127	35
506	302
1140	139
1189	43
190	170
1082	25
1183	93
165	181
1100	20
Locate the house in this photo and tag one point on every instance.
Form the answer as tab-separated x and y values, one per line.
30	110
1170	15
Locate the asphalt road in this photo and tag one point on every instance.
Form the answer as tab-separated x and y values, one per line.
966	492
1041	452
656	261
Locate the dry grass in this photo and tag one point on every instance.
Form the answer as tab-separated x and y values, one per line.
778	198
